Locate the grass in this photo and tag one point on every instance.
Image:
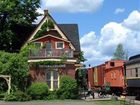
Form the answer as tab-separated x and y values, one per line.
112	103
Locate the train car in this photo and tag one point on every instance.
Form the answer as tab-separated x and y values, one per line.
96	76
114	75
110	74
132	72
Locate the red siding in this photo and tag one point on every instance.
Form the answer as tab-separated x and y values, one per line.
38	74
115	76
99	75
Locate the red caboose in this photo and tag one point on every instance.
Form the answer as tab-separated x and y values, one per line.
114	75
109	74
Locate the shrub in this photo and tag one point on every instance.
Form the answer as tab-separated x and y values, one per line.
38	90
52	95
17	96
68	88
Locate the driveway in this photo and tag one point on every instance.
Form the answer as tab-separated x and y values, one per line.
68	102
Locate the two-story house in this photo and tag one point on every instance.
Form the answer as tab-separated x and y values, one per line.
56	51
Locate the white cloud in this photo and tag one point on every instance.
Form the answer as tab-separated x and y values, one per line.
71	5
133	21
119	10
99	49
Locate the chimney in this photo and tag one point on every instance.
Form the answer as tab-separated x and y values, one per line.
45	12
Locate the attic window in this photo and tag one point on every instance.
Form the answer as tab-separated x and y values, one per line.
59	45
112	64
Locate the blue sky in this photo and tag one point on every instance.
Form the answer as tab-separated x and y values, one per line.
102	25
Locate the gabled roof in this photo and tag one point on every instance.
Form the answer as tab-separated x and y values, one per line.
72	33
69	30
47	17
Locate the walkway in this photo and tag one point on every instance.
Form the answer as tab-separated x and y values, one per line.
69	102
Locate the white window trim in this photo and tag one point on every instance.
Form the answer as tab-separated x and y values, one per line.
52	80
57	43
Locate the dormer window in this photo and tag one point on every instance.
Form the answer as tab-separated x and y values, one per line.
59	45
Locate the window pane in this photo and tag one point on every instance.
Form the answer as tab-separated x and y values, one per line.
55	74
49	84
60	45
55	84
48	46
48	75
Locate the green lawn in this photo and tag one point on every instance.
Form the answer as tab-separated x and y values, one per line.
112	103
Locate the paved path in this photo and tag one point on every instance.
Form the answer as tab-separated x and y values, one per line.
69	102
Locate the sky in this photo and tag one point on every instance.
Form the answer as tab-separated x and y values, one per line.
103	24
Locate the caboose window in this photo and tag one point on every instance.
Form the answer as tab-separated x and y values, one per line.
136	72
112	64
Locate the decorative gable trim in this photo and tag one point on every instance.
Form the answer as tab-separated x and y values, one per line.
49	35
37	29
46	17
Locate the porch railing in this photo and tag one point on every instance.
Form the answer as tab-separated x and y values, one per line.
53	53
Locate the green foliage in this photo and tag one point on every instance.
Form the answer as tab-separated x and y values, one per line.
45	27
46	63
81	57
17	96
3	86
119	53
50	24
68	88
15	65
39	34
52	95
15	13
38	90
81	77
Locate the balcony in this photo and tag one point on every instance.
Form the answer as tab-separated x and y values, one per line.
53	53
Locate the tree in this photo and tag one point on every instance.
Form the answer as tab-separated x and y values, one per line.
81	77
15	13
16	65
119	53
81	57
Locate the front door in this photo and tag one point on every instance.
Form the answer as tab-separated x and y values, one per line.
52	78
49	49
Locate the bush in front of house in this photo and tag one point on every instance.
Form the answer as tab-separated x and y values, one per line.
68	88
38	90
17	96
52	95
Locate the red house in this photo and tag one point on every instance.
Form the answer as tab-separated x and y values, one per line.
56	51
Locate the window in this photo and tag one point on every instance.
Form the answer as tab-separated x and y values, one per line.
37	44
136	72
112	64
59	45
48	46
52	78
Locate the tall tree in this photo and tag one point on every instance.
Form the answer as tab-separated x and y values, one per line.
14	13
81	57
119	53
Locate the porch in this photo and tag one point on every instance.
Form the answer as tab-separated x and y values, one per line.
53	53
